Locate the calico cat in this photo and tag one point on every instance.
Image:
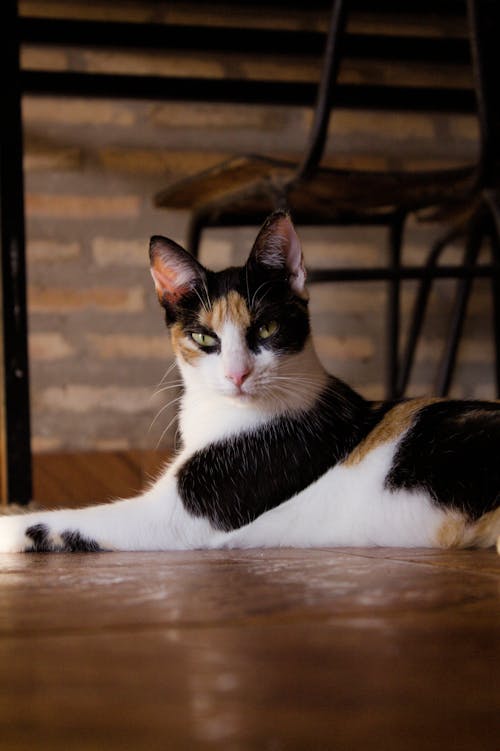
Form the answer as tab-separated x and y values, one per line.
277	452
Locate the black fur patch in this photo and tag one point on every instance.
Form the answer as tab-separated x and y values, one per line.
452	452
275	301
39	535
72	542
232	482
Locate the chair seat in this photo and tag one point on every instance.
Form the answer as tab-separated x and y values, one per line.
250	185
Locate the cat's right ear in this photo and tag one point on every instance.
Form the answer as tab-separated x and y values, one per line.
175	272
277	247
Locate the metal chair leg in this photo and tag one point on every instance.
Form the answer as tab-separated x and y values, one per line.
420	309
195	230
464	286
393	305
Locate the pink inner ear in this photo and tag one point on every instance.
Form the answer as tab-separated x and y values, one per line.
293	254
169	282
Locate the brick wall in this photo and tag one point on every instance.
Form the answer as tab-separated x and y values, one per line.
97	340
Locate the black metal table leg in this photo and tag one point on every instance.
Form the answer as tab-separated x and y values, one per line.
393	305
492	200
420	308
464	286
16	414
495	290
194	233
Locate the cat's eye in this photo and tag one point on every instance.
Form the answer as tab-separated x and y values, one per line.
204	340
267	330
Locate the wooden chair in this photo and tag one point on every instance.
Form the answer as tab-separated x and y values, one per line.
242	190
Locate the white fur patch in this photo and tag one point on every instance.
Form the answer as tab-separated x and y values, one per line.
347	506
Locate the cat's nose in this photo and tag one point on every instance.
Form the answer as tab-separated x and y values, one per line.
238	376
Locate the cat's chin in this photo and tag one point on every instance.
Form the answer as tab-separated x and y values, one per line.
241	398
250	400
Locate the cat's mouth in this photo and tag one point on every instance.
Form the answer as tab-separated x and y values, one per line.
258	388
241	395
252	394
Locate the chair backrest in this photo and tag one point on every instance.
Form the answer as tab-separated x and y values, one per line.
483	31
326	88
484	24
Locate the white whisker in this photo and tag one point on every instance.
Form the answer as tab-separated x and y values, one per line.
167	372
203	303
174	418
165	406
257	291
209	302
176	385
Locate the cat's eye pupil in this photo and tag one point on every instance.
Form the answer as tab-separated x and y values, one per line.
267	330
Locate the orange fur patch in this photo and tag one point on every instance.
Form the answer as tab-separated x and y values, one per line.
181	346
486	531
394	424
452	532
232	307
457	532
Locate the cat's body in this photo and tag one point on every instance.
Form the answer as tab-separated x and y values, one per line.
277	452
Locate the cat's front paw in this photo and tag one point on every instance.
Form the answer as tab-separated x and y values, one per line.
20	534
13	537
43	540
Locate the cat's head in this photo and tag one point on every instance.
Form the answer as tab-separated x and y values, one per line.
238	332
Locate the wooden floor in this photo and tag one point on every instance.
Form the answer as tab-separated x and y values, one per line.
283	649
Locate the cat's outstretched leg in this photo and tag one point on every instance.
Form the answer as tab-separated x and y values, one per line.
155	520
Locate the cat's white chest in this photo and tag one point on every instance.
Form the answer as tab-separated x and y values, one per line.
207	420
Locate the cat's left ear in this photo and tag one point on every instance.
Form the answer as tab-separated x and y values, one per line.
278	247
175	272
